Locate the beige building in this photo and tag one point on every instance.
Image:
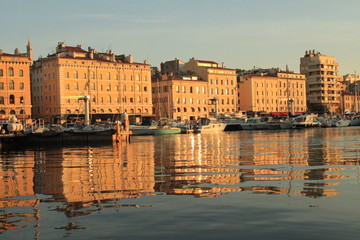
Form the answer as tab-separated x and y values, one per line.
187	91
15	99
350	102
180	97
323	84
221	84
115	84
277	92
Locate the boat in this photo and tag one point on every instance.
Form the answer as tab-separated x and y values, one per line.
166	126
264	122
234	124
251	123
205	124
336	122
342	122
306	121
355	121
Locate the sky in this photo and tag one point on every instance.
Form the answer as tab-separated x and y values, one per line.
240	34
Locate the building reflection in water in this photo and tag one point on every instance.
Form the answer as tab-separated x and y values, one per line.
89	179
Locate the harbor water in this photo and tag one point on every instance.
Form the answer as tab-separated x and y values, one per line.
280	184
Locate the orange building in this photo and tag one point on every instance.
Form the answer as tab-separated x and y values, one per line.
15	98
114	83
272	92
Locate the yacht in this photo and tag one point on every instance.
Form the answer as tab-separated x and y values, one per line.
208	125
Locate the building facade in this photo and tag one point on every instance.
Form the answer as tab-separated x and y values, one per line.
278	92
114	83
323	85
15	97
180	97
221	85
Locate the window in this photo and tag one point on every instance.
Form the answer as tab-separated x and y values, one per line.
11	85
76	86
12	99
108	76
76	75
21	73
67	74
21	99
2	100
21	86
84	76
11	72
1	86
68	86
137	77
1	73
92	75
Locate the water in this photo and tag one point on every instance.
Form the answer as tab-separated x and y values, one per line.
286	184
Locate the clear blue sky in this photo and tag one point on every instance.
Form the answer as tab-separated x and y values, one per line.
239	33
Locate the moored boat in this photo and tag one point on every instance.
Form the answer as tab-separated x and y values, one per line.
208	125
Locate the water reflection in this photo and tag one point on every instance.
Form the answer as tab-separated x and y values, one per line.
87	179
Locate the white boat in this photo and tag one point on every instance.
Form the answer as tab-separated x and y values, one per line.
209	125
305	121
342	122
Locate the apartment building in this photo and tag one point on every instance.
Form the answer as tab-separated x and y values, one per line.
272	91
180	97
15	98
114	84
221	84
323	85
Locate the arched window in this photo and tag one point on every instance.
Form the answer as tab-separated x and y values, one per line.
11	85
2	112
76	86
92	75
76	75
12	112
11	72
12	99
